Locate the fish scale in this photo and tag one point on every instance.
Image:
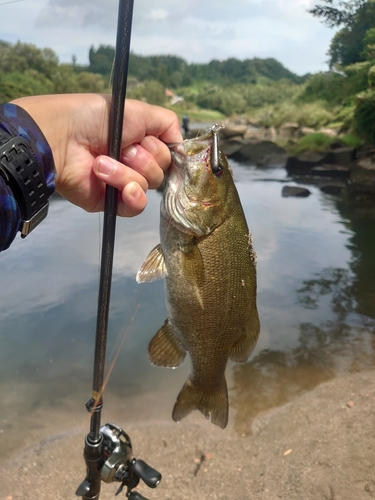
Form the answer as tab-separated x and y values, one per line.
208	263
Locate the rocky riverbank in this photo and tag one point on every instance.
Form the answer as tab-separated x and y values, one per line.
339	167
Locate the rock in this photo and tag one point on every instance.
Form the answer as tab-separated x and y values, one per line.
270	134
194	132
238	121
306	161
305	131
327	170
303	163
363	175
231	130
331	189
261	152
295	191
230	147
340	156
337	144
288	130
254	133
329	132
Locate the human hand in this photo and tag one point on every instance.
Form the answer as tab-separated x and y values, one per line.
76	128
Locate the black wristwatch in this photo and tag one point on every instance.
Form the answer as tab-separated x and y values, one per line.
26	179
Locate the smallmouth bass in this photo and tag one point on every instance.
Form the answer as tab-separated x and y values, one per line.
208	263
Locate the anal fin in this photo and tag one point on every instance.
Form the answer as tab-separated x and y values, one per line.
165	349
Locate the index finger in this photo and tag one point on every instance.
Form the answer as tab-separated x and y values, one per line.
142	119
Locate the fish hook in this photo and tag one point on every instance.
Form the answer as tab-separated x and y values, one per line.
215	152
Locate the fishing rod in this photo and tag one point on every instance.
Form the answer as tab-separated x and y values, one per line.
108	449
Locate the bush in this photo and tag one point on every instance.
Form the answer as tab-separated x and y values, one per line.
351	140
364	116
329	87
261	95
313	115
30	82
150	91
226	100
66	80
312	142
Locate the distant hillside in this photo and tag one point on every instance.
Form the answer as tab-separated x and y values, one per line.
247	71
172	71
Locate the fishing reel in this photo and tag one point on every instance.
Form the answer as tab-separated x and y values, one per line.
118	464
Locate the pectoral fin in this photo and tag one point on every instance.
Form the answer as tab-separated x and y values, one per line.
165	349
242	349
153	267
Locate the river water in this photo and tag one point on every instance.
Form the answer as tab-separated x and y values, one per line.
316	290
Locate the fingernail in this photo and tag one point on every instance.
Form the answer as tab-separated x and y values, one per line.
135	190
129	153
106	166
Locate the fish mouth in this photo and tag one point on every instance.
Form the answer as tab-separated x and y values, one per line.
191	146
193	163
179	201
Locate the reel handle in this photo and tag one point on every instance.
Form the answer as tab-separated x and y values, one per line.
134	495
149	475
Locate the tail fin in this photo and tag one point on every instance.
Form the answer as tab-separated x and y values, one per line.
211	404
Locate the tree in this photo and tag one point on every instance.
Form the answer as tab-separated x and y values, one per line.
101	60
26	56
369	44
150	91
364	116
341	14
356	17
19	84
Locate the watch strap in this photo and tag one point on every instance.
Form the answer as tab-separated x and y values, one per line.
25	176
17	122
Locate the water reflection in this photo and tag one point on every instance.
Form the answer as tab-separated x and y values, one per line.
338	338
316	286
359	218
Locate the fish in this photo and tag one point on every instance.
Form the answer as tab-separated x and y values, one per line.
207	260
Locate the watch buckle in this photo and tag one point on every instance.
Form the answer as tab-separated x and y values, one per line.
28	225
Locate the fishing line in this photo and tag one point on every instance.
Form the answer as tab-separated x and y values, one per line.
124	333
116	351
135	305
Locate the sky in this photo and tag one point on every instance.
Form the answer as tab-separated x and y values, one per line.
194	30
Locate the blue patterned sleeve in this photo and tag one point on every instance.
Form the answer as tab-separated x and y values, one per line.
17	122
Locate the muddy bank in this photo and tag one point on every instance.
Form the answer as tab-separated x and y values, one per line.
320	446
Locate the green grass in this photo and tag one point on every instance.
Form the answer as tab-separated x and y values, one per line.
316	142
351	140
196	114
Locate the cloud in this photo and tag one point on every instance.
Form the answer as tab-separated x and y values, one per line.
194	30
70	13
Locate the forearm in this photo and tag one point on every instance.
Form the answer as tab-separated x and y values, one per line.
15	122
68	136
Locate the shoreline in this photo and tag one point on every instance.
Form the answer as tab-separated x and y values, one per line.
319	446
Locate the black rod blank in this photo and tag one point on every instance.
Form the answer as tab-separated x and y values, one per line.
120	74
94	447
